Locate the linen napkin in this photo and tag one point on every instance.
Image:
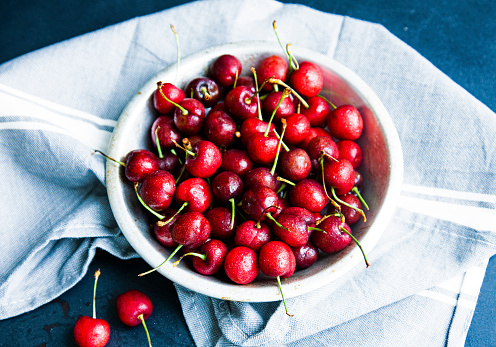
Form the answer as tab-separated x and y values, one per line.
60	103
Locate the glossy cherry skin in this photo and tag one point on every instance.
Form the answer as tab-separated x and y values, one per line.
139	164
252	126
246	81
220	129
191	229
305	255
215	252
308	80
321	144
241	103
237	161
220	222
345	123
250	235
91	332
261	176
190	120
206	161
162	230
351	215
157	190
196	192
308	194
225	69
131	304
340	175
262	149
205	90
314	132
172	92
271	66
317	111
227	185
298	127
169	162
333	240
297	233
167	132
258	201
350	150
277	259
271	102
295	165
241	265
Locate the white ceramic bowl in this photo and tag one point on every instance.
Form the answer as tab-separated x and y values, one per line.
382	170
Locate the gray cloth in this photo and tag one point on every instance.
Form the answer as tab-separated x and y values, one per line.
60	103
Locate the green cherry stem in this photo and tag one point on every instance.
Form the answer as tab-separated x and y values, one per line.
165	261
199	255
317	229
259	109
284	95
109	158
355	190
155	213
326	100
281	188
286	148
142	319
358	244
268	215
183	110
276	159
175	214
178	53
233	211
298	96
285	181
292	60
173	151
346	204
157	141
97	274
282	295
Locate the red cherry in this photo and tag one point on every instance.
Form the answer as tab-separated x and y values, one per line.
308	194
241	265
241	103
350	150
272	66
205	161
298	127
157	190
165	130
339	175
189	117
196	193
308	80
134	308
225	69
345	123
252	235
90	331
139	164
262	149
172	92
332	239
317	111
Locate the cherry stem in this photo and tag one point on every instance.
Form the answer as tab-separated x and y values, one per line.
276	159
282	295
106	156
281	188
182	171
285	180
173	151
155	213
233	211
142	319
358	244
286	148
327	155
235	80
183	110
334	203
205	93
97	274
298	96
259	109
199	255
184	148
355	190
276	222
284	95
346	204
178	53
157	141
292	60
326	100
317	229
165	261
175	214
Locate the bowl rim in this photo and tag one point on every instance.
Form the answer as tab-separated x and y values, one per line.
255	292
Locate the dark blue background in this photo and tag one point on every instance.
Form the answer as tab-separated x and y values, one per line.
459	37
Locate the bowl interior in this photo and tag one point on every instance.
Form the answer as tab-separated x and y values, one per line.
382	170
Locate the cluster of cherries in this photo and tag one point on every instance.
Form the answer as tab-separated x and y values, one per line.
251	173
133	308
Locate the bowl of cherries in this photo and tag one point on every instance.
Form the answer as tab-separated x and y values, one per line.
248	172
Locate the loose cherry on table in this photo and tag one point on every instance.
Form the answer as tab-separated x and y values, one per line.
134	308
91	331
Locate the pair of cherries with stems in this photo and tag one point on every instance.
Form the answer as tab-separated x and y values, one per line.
133	308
